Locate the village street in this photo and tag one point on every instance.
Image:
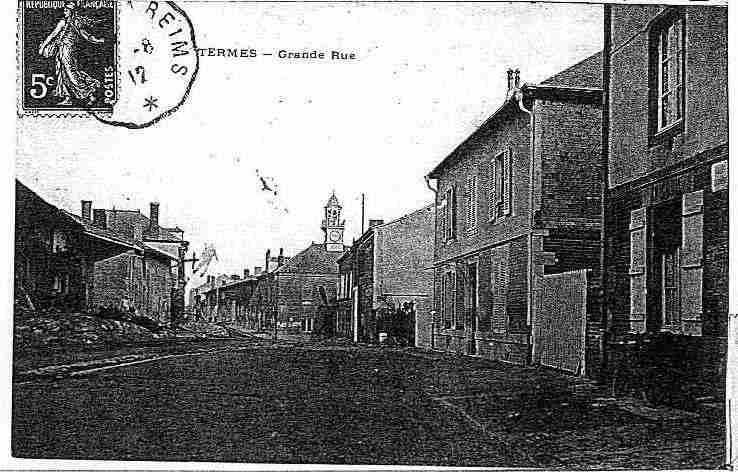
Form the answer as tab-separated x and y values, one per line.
319	402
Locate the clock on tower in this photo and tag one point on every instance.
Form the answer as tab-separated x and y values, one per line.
333	226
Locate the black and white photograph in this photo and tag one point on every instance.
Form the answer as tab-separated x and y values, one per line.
369	235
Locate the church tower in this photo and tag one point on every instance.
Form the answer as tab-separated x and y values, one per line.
332	225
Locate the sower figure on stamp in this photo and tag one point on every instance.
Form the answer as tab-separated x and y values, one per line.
64	44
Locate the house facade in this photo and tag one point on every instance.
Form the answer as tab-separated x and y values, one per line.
387	270
518	225
149	280
56	252
667	211
225	299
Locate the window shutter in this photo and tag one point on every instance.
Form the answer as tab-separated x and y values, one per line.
638	270
452	219
492	189
691	263
471	203
443	216
500	279
475	199
508	184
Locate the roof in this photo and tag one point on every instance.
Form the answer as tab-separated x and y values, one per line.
405	216
585	73
333	201
315	259
123	220
100	233
582	81
207	287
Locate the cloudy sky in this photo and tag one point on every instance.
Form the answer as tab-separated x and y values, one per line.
426	76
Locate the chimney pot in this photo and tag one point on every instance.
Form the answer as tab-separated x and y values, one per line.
154	215
509	79
87	210
99	218
246	273
517	78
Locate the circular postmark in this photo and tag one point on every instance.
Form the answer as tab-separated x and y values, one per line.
157	64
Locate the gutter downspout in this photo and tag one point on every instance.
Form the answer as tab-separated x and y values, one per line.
604	185
531	214
435	238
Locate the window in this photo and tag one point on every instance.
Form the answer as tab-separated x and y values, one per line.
671	68
667	71
59	243
471	203
500	186
450	214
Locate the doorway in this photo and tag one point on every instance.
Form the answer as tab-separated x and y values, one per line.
664	306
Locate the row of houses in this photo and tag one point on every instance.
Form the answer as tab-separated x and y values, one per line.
100	259
583	226
530	266
330	288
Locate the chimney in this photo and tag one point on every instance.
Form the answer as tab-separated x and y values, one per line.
246	273
517	78
268	257
257	270
99	218
509	79
87	210
153	215
373	223
280	259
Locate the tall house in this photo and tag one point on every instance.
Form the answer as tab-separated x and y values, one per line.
667	211
389	267
518	224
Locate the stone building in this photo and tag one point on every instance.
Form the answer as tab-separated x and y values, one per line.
667	203
389	267
55	254
298	290
518	225
150	279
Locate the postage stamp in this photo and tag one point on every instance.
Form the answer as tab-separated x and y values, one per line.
68	59
126	64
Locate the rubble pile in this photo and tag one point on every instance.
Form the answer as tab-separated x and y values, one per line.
50	329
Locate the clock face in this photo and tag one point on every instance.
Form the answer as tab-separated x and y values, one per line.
334	236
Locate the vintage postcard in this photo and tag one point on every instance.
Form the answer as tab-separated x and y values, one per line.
373	234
